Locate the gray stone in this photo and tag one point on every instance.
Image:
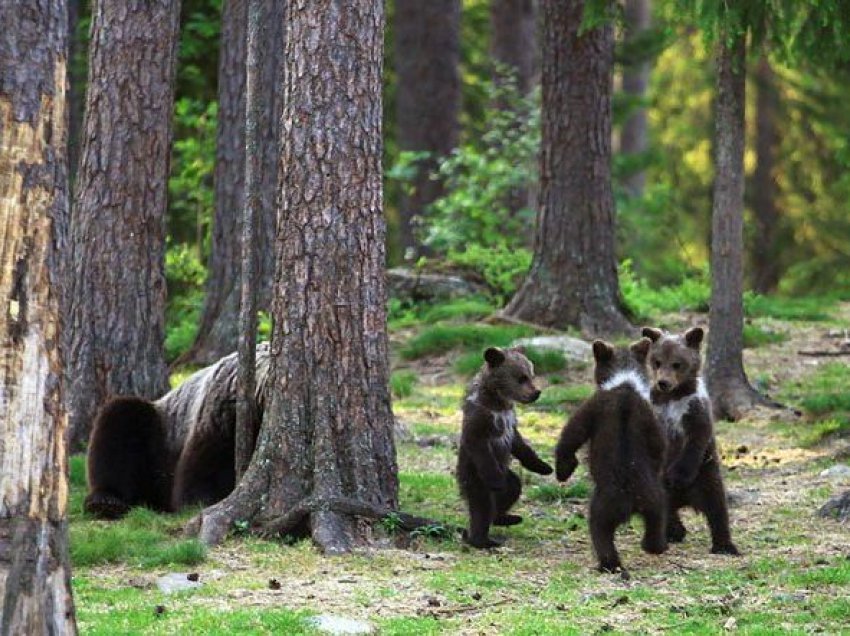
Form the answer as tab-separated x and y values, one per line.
837	507
330	624
407	284
839	470
176	582
572	348
742	497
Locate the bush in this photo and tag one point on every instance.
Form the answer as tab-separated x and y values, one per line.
647	302
402	383
185	276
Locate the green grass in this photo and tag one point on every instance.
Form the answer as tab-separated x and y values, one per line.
647	301
555	398
402	383
755	336
792	309
544	360
441	338
550	493
825	399
458	310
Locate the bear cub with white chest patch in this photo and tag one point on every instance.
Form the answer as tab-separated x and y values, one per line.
683	406
489	438
626	452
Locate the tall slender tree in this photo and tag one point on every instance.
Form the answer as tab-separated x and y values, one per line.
634	136
219	326
514	39
116	324
427	54
573	276
326	445
35	572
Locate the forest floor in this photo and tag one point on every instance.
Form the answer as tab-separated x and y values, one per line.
793	577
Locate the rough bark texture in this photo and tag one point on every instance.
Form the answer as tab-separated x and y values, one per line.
117	293
245	434
633	138
764	250
35	575
514	39
327	431
219	328
573	276
427	53
76	89
728	386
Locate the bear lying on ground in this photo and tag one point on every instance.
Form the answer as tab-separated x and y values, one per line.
172	452
488	439
692	473
626	452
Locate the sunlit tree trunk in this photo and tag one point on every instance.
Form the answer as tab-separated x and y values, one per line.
35	572
325	451
573	277
116	325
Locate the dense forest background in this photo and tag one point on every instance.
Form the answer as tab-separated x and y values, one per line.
796	159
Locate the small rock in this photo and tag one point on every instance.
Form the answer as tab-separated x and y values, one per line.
274	584
330	624
476	596
571	348
731	624
411	285
742	449
742	497
159	610
176	582
193	576
839	471
434	602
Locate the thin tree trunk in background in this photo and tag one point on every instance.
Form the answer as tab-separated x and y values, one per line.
514	39
327	437
573	276
35	571
764	256
730	390
634	137
427	54
219	326
245	408
117	295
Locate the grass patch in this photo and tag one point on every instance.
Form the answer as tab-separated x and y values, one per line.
647	301
441	338
551	493
825	399
779	308
402	383
755	336
555	397
458	310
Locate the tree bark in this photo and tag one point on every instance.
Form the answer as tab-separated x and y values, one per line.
76	88
35	572
117	293
245	410
219	326
730	390
514	39
573	276
634	138
427	54
764	254
327	429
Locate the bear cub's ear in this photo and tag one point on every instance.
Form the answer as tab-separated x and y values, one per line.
494	356
602	351
640	349
693	337
652	333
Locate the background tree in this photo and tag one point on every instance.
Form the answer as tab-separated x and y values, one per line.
427	52
35	573
327	441
116	325
514	39
573	277
219	325
634	139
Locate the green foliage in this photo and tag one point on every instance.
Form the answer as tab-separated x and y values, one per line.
783	308
441	338
826	401
502	268
756	336
552	493
460	309
646	301
555	397
185	275
402	383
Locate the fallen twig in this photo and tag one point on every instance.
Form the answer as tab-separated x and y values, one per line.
825	353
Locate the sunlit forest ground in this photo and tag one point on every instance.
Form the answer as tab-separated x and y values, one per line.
793	577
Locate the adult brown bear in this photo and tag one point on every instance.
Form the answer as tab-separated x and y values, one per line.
172	452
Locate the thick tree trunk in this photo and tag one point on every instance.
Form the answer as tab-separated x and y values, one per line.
634	138
764	254
730	390
35	573
219	327
117	294
76	88
326	443
427	54
573	277
514	39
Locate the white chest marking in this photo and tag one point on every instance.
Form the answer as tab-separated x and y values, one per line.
628	378
505	424
672	413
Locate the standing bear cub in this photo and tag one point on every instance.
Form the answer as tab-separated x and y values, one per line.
488	439
684	410
626	452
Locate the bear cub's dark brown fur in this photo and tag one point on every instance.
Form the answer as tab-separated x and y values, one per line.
488	439
626	452
683	407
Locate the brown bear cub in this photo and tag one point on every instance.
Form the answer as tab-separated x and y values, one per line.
683	407
626	452
488	439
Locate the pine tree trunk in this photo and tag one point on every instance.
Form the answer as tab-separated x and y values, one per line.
764	250
35	572
219	327
634	139
730	390
117	294
326	442
514	39
573	276
76	88
427	54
